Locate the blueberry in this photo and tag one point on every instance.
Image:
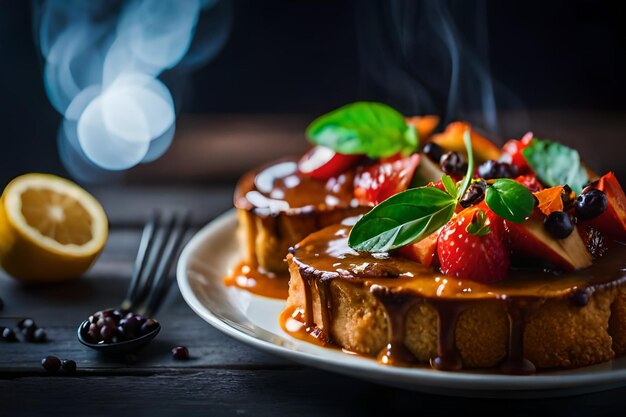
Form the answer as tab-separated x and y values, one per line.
453	163
493	169
433	151
474	195
591	204
180	353
558	224
149	326
26	323
68	366
1	304
40	336
51	363
8	335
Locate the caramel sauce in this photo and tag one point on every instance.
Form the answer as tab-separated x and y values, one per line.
399	283
281	188
258	282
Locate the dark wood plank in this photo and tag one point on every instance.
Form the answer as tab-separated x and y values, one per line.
268	392
61	307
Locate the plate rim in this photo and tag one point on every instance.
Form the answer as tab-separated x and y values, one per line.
548	381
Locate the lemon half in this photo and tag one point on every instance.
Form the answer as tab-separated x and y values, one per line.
50	228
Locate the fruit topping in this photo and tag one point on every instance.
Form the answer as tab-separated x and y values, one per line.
377	182
453	163
493	169
612	221
591	204
452	140
558	224
472	246
180	353
475	194
550	200
433	151
530	181
323	163
513	153
424	125
531	240
423	251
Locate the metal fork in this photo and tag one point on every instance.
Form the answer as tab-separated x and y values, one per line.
159	245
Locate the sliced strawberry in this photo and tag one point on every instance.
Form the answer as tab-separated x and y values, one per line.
513	149
472	246
323	163
530	181
375	183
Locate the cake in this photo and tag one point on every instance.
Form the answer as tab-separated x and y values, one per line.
513	259
281	203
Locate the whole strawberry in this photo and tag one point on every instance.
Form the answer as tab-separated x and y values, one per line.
472	246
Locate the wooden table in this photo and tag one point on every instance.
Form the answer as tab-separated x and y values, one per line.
224	377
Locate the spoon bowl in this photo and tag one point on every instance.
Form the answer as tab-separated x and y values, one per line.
148	285
118	348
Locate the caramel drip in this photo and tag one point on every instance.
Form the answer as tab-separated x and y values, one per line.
397	306
326	299
519	310
448	312
309	320
258	282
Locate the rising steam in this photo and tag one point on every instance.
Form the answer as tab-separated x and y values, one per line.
430	56
103	61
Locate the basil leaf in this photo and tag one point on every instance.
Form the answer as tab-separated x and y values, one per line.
373	129
449	185
510	200
556	164
404	218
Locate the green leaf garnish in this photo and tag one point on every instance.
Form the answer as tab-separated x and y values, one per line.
450	186
467	140
411	215
478	227
368	128
510	200
401	219
556	164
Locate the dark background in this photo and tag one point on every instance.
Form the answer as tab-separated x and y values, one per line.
302	57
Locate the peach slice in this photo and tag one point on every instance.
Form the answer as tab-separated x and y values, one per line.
422	251
425	126
452	140
530	239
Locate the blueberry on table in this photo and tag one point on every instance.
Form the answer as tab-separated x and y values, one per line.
180	353
558	224
40	336
51	363
591	204
8	335
68	366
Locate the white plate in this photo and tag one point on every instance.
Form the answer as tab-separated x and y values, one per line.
251	319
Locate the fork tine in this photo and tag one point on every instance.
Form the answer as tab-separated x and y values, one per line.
158	245
161	285
145	246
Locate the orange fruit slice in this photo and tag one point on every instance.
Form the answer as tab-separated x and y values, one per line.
50	229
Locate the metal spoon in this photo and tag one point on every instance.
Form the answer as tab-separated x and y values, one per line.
149	283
